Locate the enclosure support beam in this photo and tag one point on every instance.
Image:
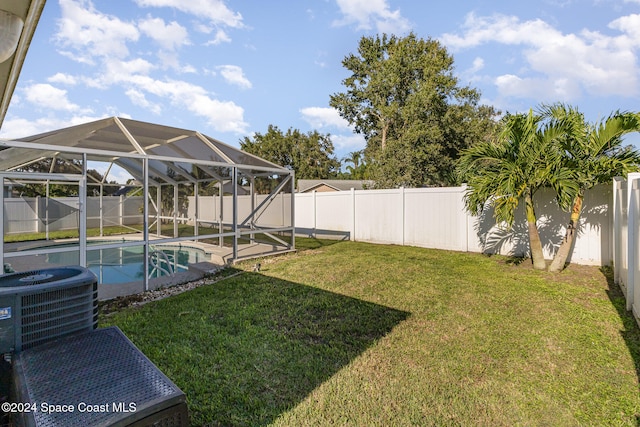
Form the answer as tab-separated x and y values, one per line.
293	210
82	205
158	210
175	210
101	210
46	212
220	214
236	230
196	190
129	137
145	221
252	191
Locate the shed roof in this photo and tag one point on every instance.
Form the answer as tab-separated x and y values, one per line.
305	185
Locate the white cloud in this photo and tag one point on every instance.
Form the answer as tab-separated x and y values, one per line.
134	66
234	75
91	33
169	36
470	75
347	143
15	127
62	78
220	37
630	25
501	29
213	10
223	116
48	97
89	36
138	98
321	117
172	60
370	14
542	89
115	71
329	118
565	64
478	64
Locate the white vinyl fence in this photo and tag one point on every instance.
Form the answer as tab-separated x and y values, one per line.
274	214
626	239
32	214
426	217
437	218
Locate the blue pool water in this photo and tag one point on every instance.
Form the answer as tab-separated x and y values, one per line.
121	265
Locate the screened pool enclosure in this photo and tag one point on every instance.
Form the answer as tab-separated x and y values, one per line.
137	202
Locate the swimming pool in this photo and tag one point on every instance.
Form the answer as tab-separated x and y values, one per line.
126	264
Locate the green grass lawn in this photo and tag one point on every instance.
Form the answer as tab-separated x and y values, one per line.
362	334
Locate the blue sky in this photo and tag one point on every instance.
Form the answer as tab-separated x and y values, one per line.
230	68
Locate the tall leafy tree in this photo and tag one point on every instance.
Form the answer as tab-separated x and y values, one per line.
310	155
402	95
594	153
512	169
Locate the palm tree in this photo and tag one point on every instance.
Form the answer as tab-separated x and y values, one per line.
595	154
357	170
522	160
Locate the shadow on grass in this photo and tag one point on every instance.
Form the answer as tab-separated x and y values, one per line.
308	243
248	348
631	332
515	260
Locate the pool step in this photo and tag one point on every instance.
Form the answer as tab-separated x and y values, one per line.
204	267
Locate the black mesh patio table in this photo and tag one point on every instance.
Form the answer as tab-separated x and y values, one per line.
98	378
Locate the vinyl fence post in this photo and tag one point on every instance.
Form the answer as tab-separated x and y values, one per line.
121	209
616	228
352	232
404	219
39	224
292	220
315	215
463	189
632	224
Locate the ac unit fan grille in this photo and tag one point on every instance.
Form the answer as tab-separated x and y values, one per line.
51	314
43	302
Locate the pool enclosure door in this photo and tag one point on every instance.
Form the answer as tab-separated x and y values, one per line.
40	215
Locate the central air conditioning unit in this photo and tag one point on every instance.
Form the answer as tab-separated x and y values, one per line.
38	306
102	379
